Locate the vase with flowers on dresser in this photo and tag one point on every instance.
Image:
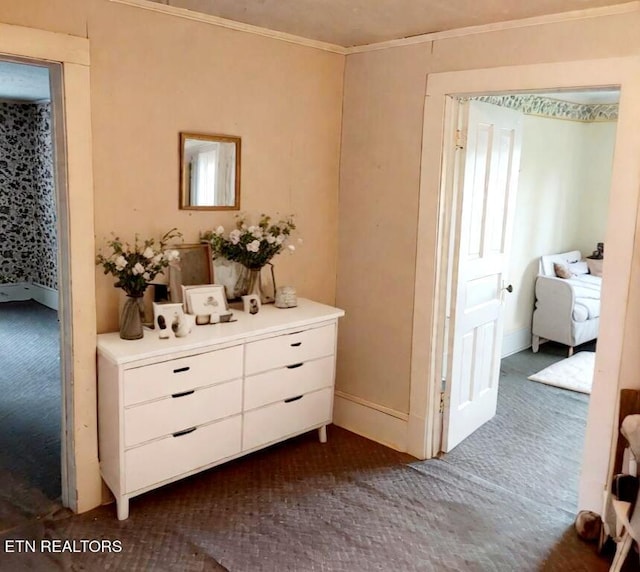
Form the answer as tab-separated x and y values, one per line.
135	266
241	255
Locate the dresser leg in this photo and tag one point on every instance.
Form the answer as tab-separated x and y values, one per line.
322	434
123	508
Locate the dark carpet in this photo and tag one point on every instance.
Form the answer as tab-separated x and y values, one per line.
348	505
533	447
30	411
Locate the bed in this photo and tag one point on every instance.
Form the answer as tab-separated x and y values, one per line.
567	307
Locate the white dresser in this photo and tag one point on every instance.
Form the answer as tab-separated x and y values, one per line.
170	408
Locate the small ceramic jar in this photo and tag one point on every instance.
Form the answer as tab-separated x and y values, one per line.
286	297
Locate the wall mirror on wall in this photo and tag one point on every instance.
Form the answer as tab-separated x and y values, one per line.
209	172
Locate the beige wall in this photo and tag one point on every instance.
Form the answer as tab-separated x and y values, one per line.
159	75
380	175
154	75
561	202
380	171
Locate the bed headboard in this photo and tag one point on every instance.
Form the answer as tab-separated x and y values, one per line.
547	261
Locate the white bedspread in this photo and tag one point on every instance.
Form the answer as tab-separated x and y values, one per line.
586	289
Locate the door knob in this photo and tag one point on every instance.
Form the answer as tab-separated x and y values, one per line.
508	288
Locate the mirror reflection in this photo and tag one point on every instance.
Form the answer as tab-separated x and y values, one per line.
210	172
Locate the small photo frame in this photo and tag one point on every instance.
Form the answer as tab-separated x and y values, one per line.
208	301
193	268
187	300
166	317
251	303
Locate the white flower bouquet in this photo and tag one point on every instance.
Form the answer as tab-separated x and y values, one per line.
253	246
136	265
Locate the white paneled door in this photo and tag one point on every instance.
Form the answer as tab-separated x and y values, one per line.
479	283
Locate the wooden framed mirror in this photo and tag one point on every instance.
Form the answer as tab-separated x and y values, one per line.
209	172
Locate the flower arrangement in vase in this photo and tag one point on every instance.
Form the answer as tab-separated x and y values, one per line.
252	246
135	266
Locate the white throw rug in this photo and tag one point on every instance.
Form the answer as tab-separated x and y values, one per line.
574	373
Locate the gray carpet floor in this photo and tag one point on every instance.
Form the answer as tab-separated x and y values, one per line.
533	447
30	411
348	505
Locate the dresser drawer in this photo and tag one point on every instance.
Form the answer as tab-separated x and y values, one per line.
282	383
183	374
290	349
158	418
172	456
280	420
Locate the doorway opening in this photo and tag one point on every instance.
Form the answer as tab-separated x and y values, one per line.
613	365
532	176
526	187
33	282
435	210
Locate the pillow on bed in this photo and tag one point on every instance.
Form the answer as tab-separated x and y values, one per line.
571	269
562	271
580	267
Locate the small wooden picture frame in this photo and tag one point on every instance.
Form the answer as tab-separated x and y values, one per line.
195	267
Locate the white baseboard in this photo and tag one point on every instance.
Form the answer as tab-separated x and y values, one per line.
17	292
515	342
371	421
22	291
46	296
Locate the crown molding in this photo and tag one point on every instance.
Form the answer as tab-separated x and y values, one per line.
232	25
626	8
586	13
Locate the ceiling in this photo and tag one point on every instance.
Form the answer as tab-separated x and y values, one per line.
350	23
20	82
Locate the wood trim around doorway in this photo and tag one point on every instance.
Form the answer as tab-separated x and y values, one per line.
82	488
616	324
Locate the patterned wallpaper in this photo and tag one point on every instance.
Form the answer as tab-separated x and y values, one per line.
548	107
28	242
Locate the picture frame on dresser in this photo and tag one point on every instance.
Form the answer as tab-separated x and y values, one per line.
195	267
207	302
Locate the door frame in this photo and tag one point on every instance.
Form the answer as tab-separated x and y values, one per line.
81	484
436	187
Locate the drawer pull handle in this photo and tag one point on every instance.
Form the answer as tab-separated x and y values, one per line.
181	369
184	432
174	395
295	365
296	344
293	399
